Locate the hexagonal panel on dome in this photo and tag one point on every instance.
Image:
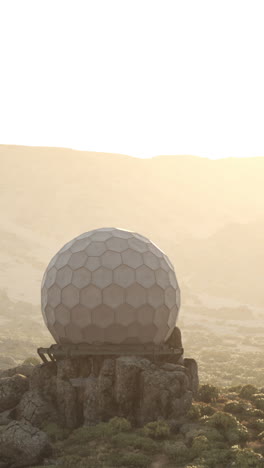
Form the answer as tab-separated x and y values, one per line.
93	263
123	234
95	249
124	275
51	277
70	296
156	296
170	297
81	315
151	260
136	295
113	295
50	317
111	259
73	333
90	296
102	277
114	334
125	314
93	334
117	244
101	236
145	276
147	332
103	316
138	245
162	278
132	258
62	314
63	259
64	276
109	284
145	315
81	277
80	244
161	316
54	295
77	260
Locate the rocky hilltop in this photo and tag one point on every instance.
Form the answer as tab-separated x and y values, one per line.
74	393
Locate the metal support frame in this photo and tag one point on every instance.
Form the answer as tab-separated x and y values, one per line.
62	351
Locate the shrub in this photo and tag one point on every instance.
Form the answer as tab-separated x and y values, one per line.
134	460
229	426
176	450
207	410
31	360
54	431
245	458
124	440
199	445
259	402
217	458
234	407
194	412
157	429
254	413
119	424
247	391
235	389
208	393
237	434
221	420
70	461
258	425
84	434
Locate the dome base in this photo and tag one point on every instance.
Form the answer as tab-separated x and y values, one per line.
57	352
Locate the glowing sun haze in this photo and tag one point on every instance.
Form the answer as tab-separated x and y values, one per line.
136	77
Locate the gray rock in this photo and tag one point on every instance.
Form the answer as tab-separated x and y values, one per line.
11	390
23	369
91	414
35	410
68	405
192	372
22	444
43	380
106	397
7	416
127	385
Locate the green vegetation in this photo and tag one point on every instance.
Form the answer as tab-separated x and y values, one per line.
221	434
31	360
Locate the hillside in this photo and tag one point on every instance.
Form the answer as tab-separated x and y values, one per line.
207	215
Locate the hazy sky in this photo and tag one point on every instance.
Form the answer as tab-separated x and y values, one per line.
137	77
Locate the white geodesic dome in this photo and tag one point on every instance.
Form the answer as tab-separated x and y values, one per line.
110	285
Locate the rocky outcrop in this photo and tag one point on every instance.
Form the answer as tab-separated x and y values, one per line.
23	369
34	409
73	392
11	390
22	445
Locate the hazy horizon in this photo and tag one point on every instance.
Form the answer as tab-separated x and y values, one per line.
126	154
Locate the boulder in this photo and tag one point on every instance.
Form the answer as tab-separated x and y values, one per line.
22	444
43	379
7	416
35	410
192	372
23	369
68	405
127	385
11	390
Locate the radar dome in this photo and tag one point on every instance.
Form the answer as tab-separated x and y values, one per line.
110	285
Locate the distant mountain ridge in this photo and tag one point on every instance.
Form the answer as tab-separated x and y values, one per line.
207	215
